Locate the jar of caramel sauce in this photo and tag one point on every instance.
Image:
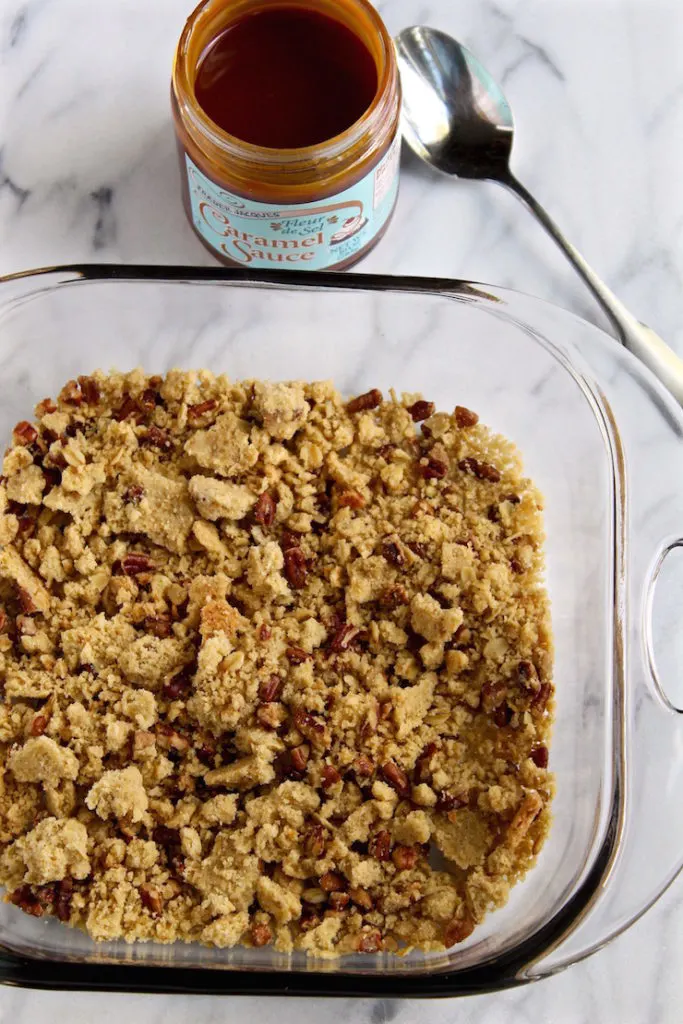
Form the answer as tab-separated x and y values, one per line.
287	120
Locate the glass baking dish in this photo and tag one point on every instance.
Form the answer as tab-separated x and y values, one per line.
605	444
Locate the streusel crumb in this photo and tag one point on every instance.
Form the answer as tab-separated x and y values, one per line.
264	653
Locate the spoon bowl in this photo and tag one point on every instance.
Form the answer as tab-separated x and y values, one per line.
454	115
456	118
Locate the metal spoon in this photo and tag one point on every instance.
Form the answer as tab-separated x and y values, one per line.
456	118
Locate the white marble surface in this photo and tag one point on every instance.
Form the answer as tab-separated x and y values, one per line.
88	172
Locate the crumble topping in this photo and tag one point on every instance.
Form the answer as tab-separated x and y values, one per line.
264	653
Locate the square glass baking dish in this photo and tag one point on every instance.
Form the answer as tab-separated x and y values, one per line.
587	418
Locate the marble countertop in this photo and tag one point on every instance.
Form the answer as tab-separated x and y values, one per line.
88	173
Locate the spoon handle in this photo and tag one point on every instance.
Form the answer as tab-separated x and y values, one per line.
637	337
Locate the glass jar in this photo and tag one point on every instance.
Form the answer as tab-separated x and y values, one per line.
317	207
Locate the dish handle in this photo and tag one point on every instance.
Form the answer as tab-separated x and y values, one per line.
649	848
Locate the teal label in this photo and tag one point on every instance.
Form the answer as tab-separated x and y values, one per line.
307	236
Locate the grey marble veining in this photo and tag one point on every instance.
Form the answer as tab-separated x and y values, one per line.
88	172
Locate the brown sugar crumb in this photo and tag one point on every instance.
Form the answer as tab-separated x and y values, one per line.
263	653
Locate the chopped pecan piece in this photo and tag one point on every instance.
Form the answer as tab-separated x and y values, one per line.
384	710
289	539
542	697
46	895
25	898
297	655
420	508
329	776
207	755
270	689
396	778
526	674
71	393
524	817
158	438
90	390
465	417
158	625
446	801
393	554
264	510
539	755
260	934
502	715
28	605
151	899
299	757
404	857
462	637
369	941
351	499
421	410
195	411
63	901
493	694
436	469
368	400
361	898
312	728
343	638
45	407
39	725
332	882
165	836
179	685
363	767
135	563
339	900
129	407
482	470
394	597
417	548
314	841
422	772
24	433
457	930
148	400
379	845
169	739
296	569
133	495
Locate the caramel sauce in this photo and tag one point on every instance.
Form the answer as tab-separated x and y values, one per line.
286	77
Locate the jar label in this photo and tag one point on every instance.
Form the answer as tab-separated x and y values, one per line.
305	236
